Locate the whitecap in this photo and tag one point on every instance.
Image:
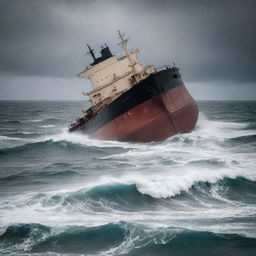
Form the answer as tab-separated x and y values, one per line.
10	138
47	126
35	120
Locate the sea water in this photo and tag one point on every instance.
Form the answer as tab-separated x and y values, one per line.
64	193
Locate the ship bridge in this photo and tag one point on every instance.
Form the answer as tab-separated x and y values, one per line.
111	76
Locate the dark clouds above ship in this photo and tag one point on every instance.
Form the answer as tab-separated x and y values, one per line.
209	40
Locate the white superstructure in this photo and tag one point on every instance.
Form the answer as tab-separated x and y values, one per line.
112	76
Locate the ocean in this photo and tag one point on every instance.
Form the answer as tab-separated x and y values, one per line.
66	194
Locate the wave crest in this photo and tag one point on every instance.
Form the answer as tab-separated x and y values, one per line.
122	238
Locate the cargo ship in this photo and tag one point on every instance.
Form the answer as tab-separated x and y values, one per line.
133	103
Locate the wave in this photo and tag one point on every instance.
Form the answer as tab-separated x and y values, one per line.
122	238
35	120
17	122
23	176
47	126
189	242
207	162
124	197
24	133
10	138
82	139
49	120
206	133
132	195
249	139
50	145
75	239
64	142
46	120
19	134
107	197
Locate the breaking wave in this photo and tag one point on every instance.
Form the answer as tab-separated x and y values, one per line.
122	238
132	195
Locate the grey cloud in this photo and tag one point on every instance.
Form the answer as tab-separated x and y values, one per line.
208	40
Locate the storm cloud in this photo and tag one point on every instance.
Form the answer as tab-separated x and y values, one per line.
211	41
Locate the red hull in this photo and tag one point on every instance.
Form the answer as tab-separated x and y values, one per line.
172	112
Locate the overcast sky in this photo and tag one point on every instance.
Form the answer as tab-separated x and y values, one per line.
43	43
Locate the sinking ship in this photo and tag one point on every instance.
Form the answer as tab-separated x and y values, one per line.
130	102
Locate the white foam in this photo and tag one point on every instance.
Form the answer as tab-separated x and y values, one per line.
211	131
47	126
29	132
83	139
10	138
154	176
35	120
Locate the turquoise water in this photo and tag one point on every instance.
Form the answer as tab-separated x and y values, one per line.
66	194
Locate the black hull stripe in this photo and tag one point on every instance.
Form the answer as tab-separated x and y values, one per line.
151	87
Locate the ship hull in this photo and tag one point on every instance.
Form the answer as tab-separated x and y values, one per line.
155	109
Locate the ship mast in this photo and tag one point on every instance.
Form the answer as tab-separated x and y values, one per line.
123	44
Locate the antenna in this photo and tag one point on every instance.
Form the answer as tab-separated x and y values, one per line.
91	52
123	42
